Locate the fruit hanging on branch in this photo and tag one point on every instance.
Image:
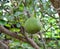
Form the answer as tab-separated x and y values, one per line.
32	25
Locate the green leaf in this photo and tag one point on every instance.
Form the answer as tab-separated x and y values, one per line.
15	29
2	22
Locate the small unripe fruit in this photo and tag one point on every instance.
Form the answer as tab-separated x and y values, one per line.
32	25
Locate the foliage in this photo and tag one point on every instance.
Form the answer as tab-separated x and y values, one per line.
13	15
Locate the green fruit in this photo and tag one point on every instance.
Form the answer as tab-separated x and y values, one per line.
32	25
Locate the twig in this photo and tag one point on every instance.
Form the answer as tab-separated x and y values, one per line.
43	42
4	45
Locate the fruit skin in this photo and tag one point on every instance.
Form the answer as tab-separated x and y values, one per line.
32	25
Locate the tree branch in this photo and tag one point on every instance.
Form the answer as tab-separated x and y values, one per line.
6	31
30	41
